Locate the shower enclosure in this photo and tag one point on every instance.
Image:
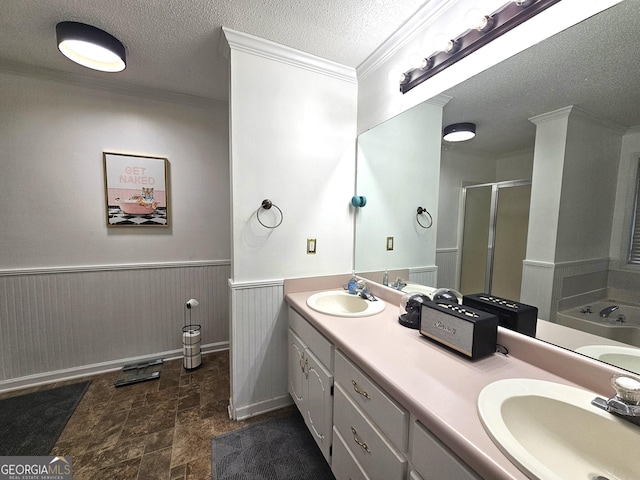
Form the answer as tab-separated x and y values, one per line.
494	238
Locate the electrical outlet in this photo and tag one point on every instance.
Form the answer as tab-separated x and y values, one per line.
389	243
311	246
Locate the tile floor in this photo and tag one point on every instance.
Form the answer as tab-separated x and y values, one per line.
159	429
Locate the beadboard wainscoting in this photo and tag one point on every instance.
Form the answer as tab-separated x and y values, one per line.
447	262
424	275
258	348
64	322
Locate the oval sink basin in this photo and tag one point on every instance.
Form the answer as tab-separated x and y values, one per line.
552	432
623	357
417	288
343	304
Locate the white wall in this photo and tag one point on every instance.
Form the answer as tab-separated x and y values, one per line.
293	129
575	175
627	180
75	295
515	166
52	136
588	188
399	170
293	142
459	168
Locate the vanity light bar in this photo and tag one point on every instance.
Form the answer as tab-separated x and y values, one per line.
504	19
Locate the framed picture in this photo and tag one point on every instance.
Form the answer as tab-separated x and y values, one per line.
137	190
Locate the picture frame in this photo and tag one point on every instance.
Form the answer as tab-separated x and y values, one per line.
136	190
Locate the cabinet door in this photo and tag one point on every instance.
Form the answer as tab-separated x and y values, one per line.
319	404
297	383
434	460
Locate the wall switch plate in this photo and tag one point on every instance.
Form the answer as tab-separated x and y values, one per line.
389	243
311	246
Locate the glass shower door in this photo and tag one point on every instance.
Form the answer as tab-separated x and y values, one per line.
475	239
494	238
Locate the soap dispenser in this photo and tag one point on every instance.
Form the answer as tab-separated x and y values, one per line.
385	278
352	285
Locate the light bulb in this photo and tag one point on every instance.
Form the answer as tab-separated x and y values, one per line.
476	20
418	61
441	42
395	76
93	56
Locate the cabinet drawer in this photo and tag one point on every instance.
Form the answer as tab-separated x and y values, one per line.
379	459
343	465
318	344
388	414
434	460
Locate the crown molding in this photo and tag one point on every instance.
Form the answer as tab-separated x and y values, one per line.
244	42
48	74
575	111
553	115
424	17
633	130
439	100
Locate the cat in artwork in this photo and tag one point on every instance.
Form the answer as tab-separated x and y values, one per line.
145	198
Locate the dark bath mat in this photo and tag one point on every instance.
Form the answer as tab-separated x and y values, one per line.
279	449
31	424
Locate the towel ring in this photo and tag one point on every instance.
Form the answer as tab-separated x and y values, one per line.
267	204
423	211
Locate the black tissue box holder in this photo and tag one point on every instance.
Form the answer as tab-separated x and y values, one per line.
512	315
467	331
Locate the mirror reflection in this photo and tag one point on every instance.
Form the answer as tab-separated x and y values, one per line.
559	121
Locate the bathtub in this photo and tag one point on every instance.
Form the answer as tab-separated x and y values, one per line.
622	325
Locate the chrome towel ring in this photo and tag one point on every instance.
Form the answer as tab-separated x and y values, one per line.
423	211
266	205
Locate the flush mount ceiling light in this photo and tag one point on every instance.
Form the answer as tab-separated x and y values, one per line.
90	47
459	132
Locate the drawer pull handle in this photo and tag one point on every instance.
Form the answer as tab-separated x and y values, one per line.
361	392
364	446
302	362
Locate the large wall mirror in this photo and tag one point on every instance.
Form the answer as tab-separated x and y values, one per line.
560	122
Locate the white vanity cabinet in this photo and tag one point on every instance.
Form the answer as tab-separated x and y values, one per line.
372	426
310	360
363	432
433	460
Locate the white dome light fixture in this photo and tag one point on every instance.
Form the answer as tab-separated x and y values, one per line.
459	132
90	47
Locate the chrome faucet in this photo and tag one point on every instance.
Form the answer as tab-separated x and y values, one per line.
364	292
399	284
605	312
626	402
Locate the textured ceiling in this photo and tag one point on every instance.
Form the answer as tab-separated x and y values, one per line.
173	45
594	65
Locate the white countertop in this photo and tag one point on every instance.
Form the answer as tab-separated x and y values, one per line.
436	385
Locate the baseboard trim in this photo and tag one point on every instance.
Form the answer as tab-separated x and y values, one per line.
97	368
265	406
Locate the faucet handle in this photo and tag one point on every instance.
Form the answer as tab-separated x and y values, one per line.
627	389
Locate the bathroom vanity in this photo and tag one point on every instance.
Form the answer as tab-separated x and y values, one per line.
384	402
